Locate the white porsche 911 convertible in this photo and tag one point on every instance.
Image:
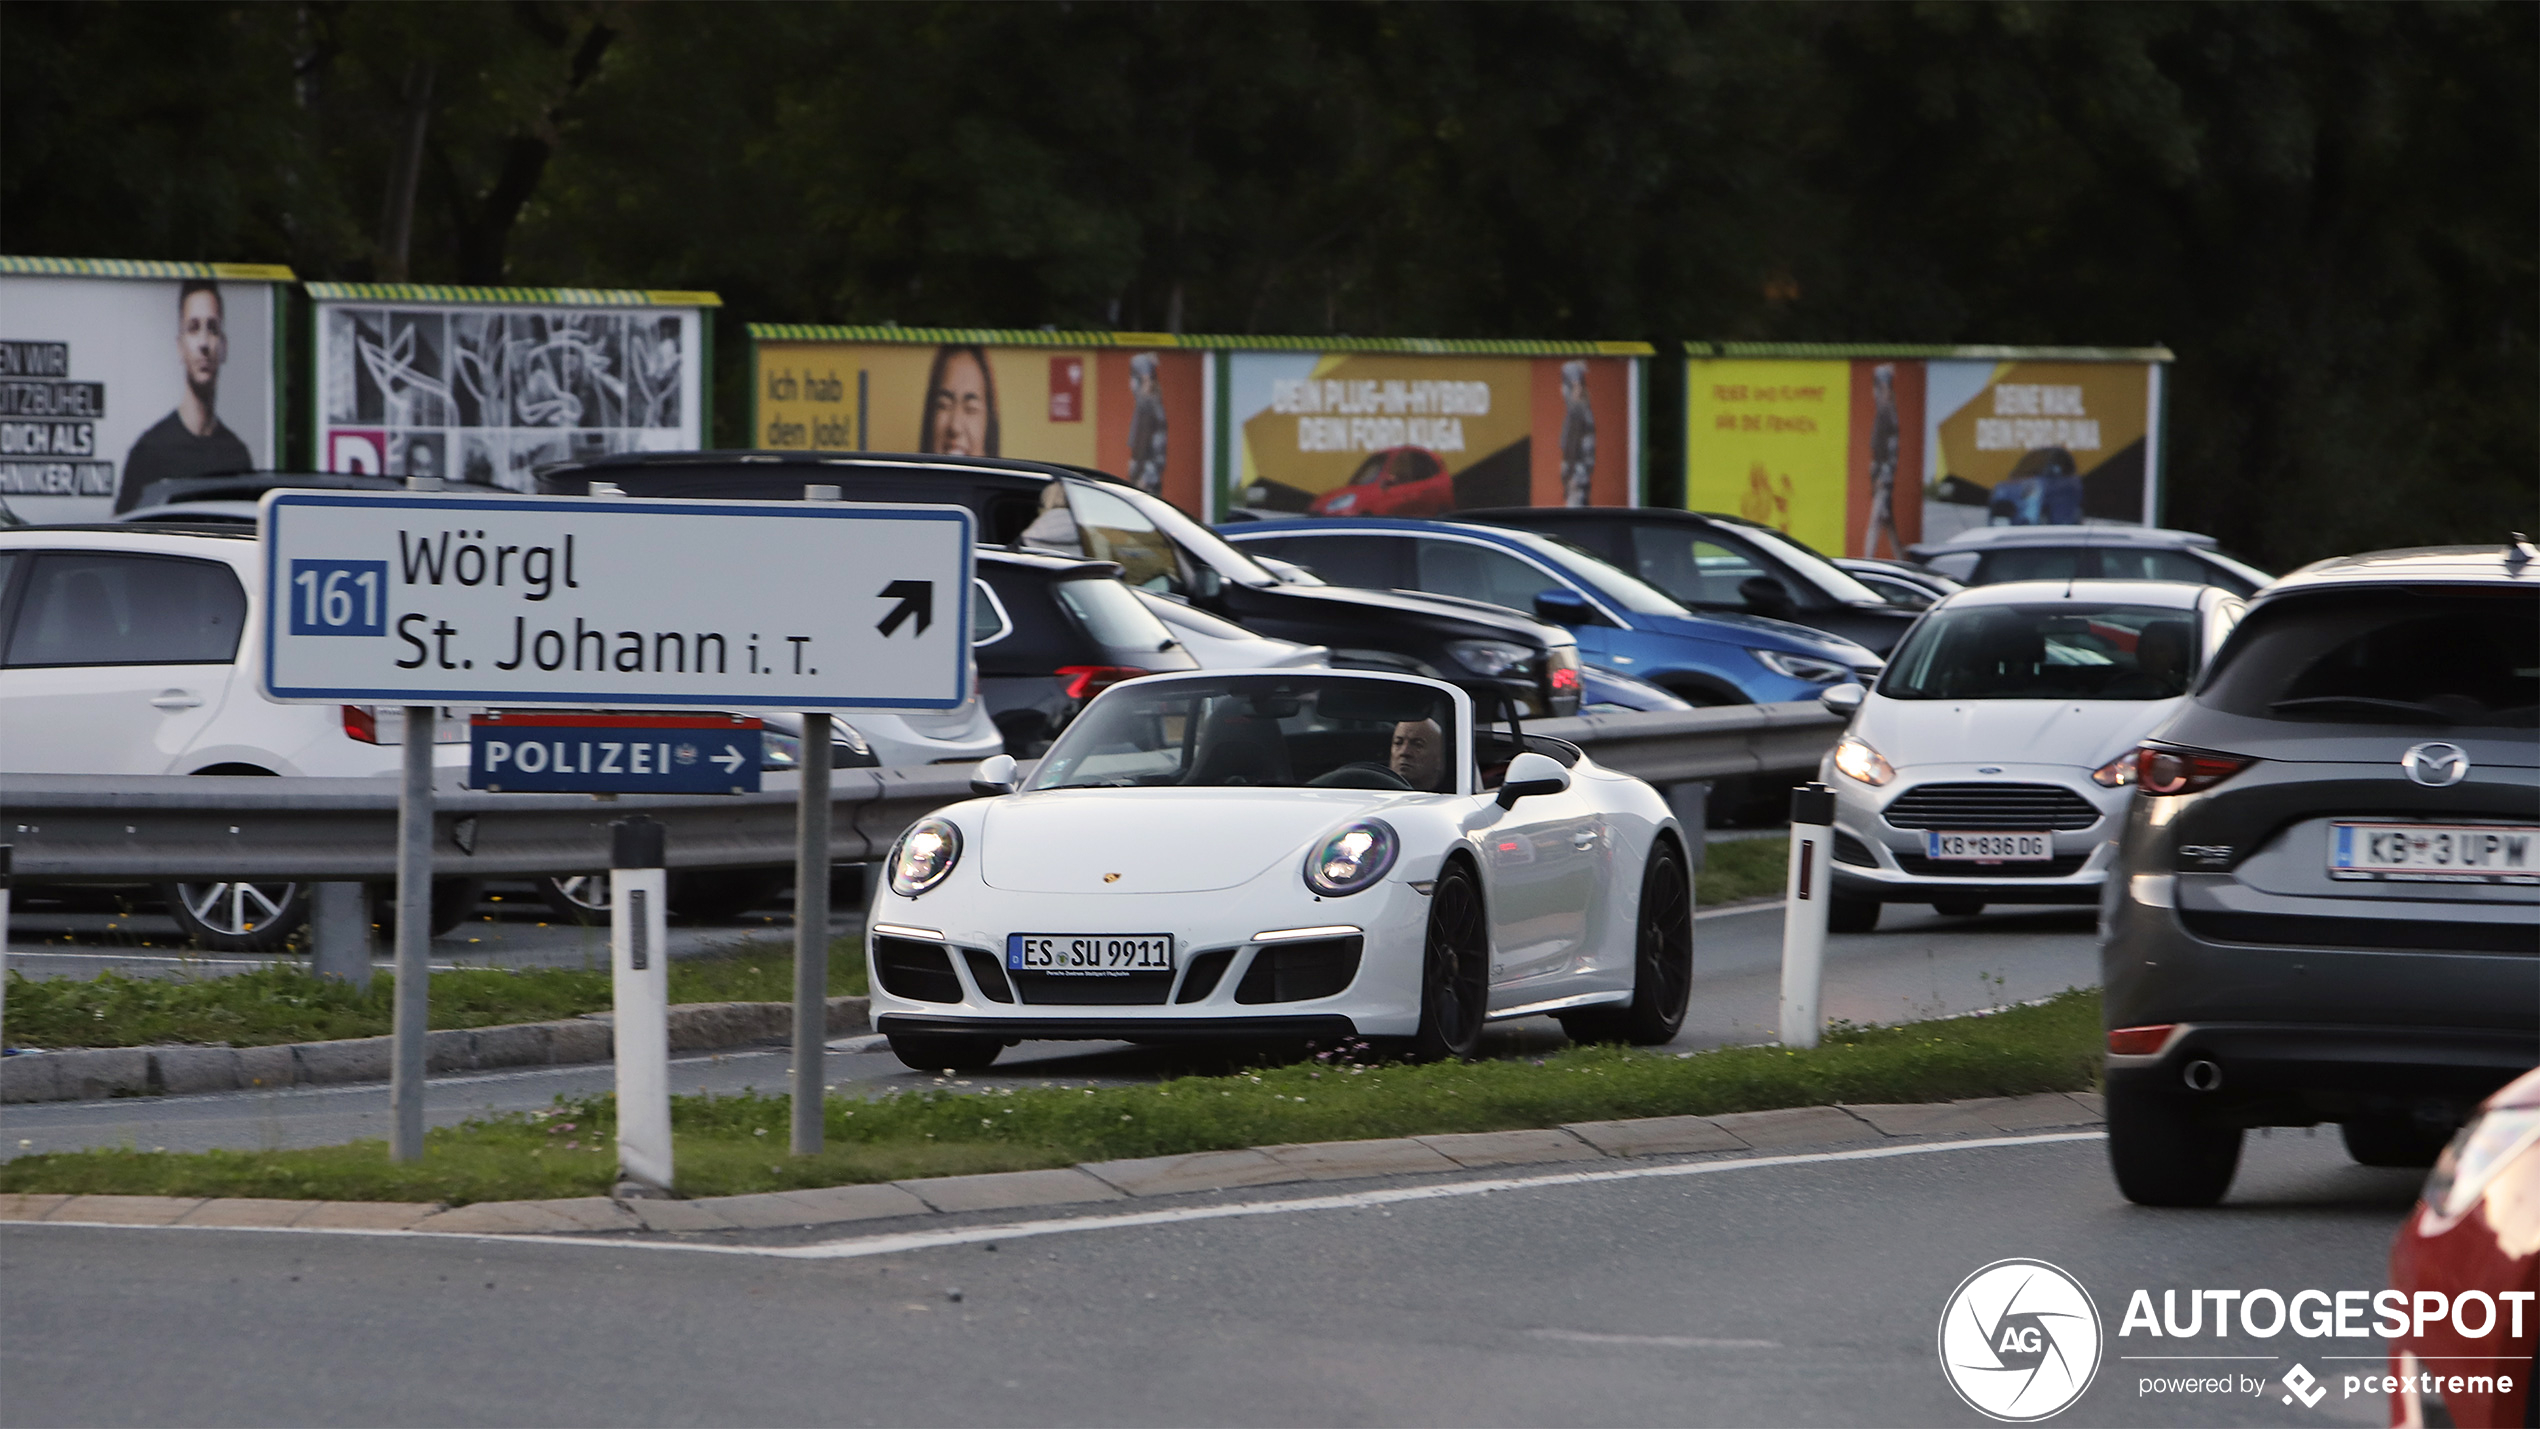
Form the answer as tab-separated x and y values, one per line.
1284	854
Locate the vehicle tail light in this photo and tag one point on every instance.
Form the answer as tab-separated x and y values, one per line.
2183	771
1565	681
1086	681
361	722
2140	1041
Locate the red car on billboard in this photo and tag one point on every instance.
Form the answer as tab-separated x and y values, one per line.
1398	481
2468	1263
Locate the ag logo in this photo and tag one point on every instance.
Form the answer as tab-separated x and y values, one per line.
2019	1340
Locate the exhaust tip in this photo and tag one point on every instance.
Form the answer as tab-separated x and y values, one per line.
2202	1076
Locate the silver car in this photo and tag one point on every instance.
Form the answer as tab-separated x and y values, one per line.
1992	762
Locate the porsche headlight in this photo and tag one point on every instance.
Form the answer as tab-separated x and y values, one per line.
1855	759
1352	859
2476	1155
923	856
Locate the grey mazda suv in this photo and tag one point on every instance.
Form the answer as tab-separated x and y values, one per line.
2326	904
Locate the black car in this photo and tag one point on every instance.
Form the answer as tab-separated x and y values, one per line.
2326	903
1714	562
1070	511
1052	632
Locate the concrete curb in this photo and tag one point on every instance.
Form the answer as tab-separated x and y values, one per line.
1104	1180
95	1073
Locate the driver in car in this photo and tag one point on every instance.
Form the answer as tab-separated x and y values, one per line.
1419	754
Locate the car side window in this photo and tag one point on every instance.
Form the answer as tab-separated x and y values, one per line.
2119	563
1693	569
1114	530
109	609
988	623
1372	562
2033	563
1410	466
1481	573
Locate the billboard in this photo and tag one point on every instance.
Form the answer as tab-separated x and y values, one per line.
1421	429
1866	451
1132	404
480	386
117	374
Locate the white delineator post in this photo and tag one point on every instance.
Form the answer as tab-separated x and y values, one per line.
6	852
639	965
1804	915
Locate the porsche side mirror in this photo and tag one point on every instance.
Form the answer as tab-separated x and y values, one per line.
1530	774
995	775
1842	699
1564	607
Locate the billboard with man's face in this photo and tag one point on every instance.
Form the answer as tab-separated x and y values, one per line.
1862	454
118	375
482	386
1405	433
1103	400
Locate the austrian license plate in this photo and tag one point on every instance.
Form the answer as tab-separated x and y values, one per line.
1089	954
1989	848
2435	853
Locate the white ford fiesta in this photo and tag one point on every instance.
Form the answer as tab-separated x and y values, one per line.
1994	761
1284	854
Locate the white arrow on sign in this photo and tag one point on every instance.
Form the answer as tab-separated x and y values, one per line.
731	759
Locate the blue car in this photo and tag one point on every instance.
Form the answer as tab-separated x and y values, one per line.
1623	623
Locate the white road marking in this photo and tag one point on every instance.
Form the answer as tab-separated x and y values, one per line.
892	1243
1664	1342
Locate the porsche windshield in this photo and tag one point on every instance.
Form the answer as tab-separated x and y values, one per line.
2046	652
1259	731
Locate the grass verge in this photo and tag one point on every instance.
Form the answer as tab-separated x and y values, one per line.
287	1004
1734	870
731	1145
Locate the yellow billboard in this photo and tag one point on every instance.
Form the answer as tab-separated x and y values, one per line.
1769	439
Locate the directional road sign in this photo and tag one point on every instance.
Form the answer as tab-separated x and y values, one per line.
514	752
447	599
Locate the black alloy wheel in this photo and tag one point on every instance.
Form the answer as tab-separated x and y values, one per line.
1957	905
1454	971
945	1051
2391	1141
1662	963
1852	915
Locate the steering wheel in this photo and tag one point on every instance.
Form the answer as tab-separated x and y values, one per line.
1358	776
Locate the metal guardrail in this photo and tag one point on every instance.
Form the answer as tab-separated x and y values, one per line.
105	828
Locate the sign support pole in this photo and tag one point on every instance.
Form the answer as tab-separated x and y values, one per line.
811	935
414	937
639	961
1804	915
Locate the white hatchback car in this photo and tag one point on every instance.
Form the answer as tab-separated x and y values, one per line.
1289	853
1993	762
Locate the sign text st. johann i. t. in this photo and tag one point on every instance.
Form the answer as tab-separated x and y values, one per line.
425	599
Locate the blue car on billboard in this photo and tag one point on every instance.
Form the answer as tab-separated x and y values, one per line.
1623	623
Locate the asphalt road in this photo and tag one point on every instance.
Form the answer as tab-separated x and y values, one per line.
1802	1289
1915	967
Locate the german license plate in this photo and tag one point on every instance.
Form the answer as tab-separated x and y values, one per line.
1089	954
1989	848
2435	853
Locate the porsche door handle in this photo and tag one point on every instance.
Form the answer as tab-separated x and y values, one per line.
176	700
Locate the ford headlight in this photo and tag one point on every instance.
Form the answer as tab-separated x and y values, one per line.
1855	759
1493	658
1353	859
923	856
1802	667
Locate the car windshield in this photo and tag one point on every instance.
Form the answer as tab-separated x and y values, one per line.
2063	651
1626	590
1260	731
1834	580
2386	657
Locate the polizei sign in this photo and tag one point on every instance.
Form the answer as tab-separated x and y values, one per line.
429	599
